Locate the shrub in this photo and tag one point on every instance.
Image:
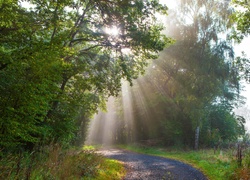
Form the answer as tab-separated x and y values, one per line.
51	163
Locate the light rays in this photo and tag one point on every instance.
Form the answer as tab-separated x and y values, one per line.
129	117
134	115
109	125
128	112
102	126
107	128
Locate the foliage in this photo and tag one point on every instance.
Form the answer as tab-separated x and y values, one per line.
222	126
59	63
194	83
241	18
243	171
243	64
55	163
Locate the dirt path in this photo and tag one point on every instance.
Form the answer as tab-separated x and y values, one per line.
146	167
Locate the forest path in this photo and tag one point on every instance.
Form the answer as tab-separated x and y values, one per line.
146	167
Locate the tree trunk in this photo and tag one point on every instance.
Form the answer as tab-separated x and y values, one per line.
197	133
55	103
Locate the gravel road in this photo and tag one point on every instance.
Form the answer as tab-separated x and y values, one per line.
146	167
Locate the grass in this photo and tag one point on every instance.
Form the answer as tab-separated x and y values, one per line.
216	166
109	169
56	163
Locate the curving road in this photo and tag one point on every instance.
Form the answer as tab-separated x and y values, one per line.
146	167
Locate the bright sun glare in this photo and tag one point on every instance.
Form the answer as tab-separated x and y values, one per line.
169	3
114	31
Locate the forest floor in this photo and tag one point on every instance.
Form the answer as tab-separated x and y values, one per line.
141	166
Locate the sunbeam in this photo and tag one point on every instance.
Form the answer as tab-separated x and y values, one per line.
128	111
115	125
102	127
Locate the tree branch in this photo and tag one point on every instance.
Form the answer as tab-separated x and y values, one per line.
78	22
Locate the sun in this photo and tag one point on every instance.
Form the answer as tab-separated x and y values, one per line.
113	31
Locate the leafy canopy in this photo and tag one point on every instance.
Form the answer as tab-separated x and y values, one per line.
242	19
57	60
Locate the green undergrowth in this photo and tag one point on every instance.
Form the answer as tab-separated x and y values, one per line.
56	163
218	165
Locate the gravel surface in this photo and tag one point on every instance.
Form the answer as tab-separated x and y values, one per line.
146	167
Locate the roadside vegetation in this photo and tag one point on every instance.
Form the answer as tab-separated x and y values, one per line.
54	162
215	164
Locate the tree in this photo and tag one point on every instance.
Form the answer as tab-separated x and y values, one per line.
241	18
59	59
222	126
205	68
191	76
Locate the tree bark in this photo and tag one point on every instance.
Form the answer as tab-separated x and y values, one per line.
55	103
197	133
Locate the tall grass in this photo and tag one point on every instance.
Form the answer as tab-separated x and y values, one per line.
55	163
243	172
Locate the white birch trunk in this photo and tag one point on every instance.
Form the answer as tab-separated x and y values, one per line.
197	133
